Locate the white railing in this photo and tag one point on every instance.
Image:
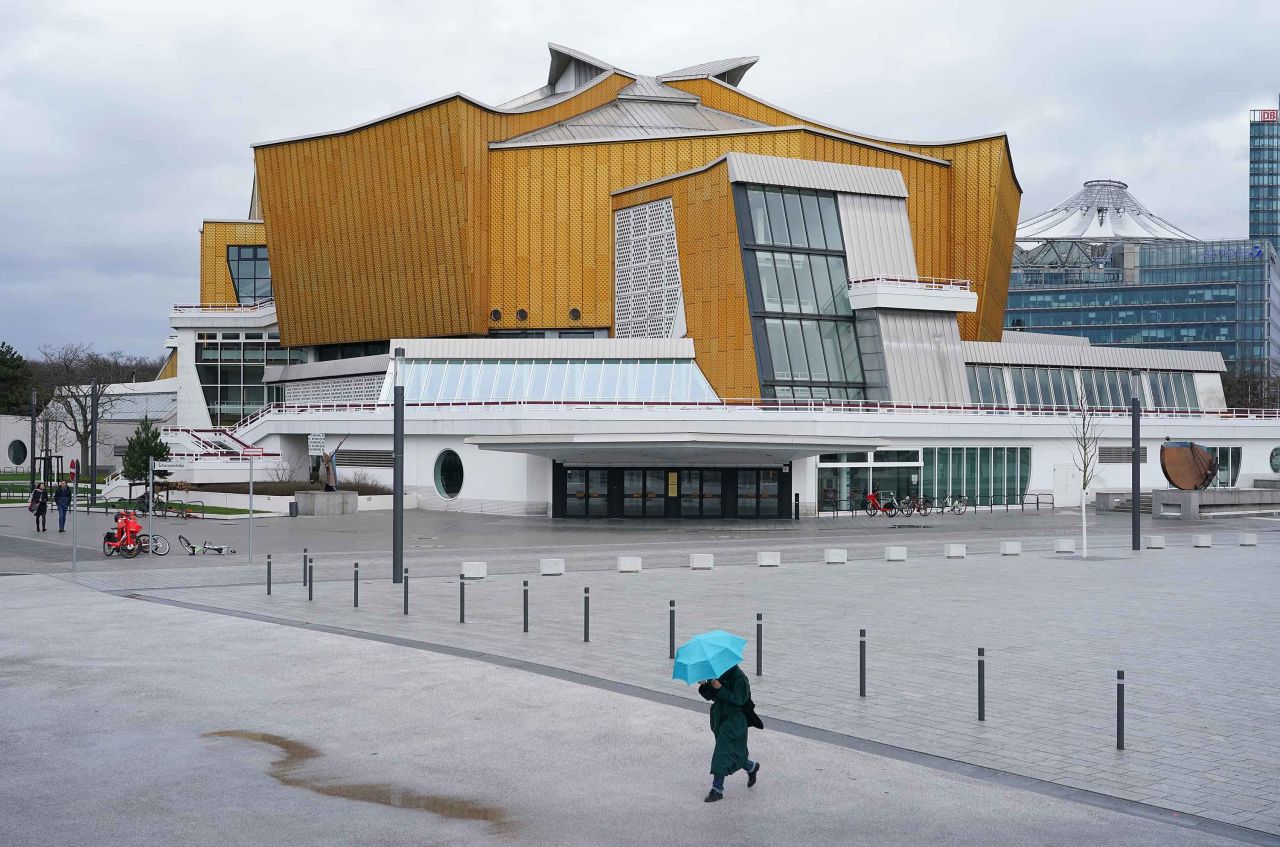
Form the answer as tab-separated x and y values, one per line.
223	308
930	283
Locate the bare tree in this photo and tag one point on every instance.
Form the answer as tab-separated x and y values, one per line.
1253	384
64	382
285	471
1085	423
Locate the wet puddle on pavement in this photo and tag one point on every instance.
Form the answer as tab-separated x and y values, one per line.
285	771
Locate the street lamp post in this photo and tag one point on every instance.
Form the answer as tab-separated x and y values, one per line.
93	443
397	481
1135	413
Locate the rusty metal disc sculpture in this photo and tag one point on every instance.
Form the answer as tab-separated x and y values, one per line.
1187	465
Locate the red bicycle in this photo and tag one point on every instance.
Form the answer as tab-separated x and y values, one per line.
876	507
124	539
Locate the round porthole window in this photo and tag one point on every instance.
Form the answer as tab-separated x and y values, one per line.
522	315
18	453
575	314
448	474
495	315
1275	460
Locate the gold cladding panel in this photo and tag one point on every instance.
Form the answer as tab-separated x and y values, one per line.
384	231
216	285
715	292
170	368
983	201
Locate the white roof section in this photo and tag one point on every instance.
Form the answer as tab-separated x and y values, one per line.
1088	356
706	444
545	348
799	173
1017	336
638	116
728	71
336	368
1103	210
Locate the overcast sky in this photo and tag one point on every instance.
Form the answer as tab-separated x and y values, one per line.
123	125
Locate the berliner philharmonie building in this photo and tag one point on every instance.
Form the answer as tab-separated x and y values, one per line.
633	296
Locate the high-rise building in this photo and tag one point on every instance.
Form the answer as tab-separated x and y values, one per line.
1102	266
1264	175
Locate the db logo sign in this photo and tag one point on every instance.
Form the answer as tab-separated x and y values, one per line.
1269	114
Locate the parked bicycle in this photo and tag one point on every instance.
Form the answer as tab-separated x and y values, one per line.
888	506
958	503
124	538
919	505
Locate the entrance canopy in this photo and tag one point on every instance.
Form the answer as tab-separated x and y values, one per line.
673	448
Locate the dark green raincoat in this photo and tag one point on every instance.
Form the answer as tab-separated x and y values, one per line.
729	722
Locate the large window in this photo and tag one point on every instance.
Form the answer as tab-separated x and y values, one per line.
1043	386
1228	466
986	385
984	475
230	367
797	288
250	273
551	380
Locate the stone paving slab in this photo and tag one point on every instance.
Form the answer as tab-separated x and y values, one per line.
1193	629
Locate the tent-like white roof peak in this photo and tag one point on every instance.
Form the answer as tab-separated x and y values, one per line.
1103	210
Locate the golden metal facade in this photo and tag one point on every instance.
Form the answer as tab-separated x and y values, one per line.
983	201
715	292
216	285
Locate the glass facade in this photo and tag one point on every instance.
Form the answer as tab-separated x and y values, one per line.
1221	296
984	475
230	366
1104	388
797	290
250	273
751	493
1264	176
549	380
1228	466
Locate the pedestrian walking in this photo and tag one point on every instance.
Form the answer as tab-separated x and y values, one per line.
39	506
732	712
62	499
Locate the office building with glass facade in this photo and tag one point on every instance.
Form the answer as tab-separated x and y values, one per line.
1264	175
1142	282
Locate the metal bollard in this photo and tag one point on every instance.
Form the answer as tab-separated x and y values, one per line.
671	631
405	582
586	614
759	644
462	599
982	684
311	581
268	574
355	586
862	663
526	605
304	565
797	507
1119	710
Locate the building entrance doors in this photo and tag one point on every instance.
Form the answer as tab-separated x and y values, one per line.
669	492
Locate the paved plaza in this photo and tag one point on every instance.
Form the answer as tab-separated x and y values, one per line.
1192	628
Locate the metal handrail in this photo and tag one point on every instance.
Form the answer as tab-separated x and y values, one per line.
183	308
932	283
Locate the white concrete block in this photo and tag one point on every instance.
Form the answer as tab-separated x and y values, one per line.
835	556
769	560
551	567
702	561
628	564
895	554
1155	542
1064	545
1010	548
956	551
1248	539
1202	541
475	570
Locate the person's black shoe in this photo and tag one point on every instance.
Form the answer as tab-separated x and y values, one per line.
751	777
712	796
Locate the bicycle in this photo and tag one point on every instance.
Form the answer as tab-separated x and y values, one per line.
921	505
157	544
124	538
206	547
958	503
875	507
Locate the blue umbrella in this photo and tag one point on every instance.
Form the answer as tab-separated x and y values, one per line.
707	655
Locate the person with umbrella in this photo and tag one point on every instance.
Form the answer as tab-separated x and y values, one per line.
712	660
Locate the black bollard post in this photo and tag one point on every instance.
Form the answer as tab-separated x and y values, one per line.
311	581
355	585
759	643
405	582
462	599
1119	710
586	614
526	605
268	574
671	631
797	507
982	684
862	663
304	565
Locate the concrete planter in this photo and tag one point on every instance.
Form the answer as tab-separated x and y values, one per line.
1010	548
475	570
1064	545
551	567
629	564
326	503
702	561
835	556
895	554
769	560
1202	541
1155	542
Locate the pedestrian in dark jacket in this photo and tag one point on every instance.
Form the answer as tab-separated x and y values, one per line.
730	697
39	506
62	499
